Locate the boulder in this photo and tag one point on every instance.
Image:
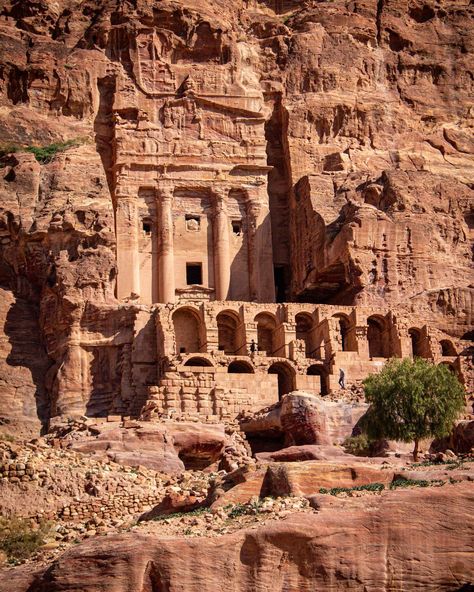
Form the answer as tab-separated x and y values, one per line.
304	418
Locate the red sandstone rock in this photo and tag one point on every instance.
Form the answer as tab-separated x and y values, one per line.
301	453
166	447
306	419
367	545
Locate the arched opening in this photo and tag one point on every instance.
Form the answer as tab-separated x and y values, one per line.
447	348
286	378
416	343
188	331
304	328
266	325
228	332
199	362
346	333
318	370
377	337
239	367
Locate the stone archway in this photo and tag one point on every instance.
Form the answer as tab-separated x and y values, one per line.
319	370
201	362
379	346
188	331
228	329
266	325
416	343
447	348
346	332
304	327
286	377
240	367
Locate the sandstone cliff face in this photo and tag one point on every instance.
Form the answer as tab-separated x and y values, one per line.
413	540
367	126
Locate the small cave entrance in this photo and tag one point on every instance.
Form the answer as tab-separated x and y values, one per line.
199	459
265	441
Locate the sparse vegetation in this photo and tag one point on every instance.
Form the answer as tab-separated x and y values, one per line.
416	483
18	540
43	154
253	507
369	487
411	400
195	512
357	445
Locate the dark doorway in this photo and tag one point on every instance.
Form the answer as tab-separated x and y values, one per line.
238	367
318	370
286	378
280	283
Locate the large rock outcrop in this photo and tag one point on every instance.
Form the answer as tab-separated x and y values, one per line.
411	540
301	418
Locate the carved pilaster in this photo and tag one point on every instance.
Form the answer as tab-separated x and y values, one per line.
221	244
166	277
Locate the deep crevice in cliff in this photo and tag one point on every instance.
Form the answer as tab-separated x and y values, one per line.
279	183
103	128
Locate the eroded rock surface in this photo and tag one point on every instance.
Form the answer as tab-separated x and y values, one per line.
366	545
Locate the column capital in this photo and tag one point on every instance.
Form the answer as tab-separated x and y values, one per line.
165	192
220	194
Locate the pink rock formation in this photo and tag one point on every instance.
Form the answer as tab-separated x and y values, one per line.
303	418
166	447
415	539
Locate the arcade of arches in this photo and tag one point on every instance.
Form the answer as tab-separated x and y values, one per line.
219	358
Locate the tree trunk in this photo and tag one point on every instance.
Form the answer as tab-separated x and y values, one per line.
415	451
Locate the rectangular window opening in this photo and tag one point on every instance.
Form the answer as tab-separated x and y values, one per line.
194	274
146	227
193	222
237	227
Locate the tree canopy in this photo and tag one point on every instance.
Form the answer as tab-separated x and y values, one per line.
411	400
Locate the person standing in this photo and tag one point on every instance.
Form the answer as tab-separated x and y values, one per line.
342	378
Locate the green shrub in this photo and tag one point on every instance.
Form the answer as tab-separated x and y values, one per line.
357	445
45	154
18	540
411	400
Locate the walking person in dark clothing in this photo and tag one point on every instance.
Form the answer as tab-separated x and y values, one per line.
342	378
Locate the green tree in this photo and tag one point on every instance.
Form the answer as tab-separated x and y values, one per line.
411	400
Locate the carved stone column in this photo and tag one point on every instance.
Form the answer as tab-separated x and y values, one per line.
262	283
126	229
166	278
221	246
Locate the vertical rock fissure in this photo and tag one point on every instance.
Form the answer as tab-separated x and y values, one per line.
279	185
380	6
